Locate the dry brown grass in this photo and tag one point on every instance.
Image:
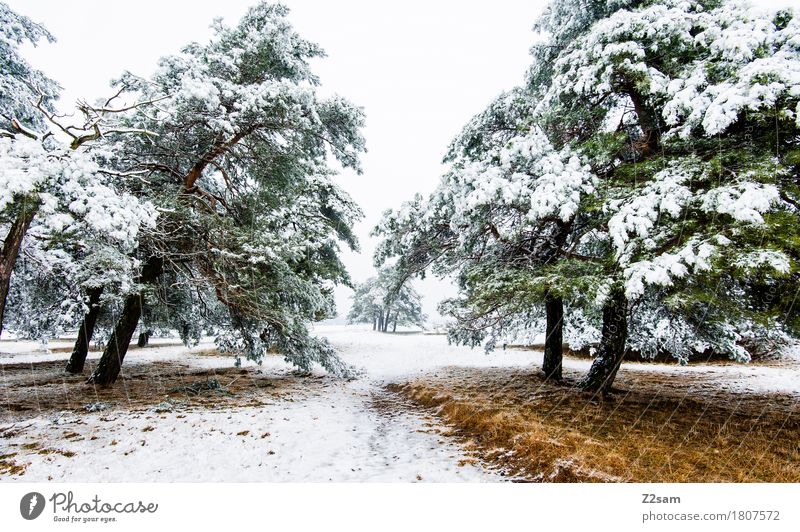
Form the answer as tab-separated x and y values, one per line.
96	349
43	388
9	466
689	431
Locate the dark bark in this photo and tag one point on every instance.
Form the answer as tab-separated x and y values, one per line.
11	247
553	342
612	344
374	323
648	121
394	324
144	339
110	363
81	349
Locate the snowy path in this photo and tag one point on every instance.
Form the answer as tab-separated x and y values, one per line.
335	436
321	429
334	431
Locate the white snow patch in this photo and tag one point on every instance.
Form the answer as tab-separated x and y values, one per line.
331	432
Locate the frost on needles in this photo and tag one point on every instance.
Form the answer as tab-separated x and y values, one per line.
199	199
641	187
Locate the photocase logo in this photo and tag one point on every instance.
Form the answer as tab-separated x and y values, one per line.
31	505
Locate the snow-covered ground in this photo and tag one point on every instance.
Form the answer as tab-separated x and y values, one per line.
329	430
340	431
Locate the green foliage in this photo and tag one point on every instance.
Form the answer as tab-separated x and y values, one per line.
684	116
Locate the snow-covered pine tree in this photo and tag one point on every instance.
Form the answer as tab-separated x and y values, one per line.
512	253
499	223
20	87
67	214
692	109
682	121
367	304
249	210
385	301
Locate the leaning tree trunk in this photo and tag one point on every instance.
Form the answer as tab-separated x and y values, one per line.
110	363
612	344
11	247
81	349
553	342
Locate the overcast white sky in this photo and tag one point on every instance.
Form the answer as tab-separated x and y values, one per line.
420	70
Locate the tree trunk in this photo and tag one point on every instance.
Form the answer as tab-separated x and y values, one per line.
648	120
380	321
110	363
612	344
144	339
11	247
394	324
553	343
374	322
81	349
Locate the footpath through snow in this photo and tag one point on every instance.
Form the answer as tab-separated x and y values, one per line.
334	431
327	430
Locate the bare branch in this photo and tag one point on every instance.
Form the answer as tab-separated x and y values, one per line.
113	110
19	128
